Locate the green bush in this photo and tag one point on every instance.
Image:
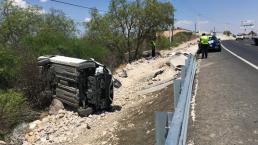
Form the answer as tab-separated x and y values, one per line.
85	49
163	43
11	106
8	68
181	37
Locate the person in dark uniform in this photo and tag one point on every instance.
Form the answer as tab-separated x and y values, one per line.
153	48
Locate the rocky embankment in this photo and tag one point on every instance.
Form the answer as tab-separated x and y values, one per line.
138	79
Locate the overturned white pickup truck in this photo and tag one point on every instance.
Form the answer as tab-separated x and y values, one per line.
85	85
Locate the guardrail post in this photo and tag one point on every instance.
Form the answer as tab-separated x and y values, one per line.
185	67
183	72
162	122
177	90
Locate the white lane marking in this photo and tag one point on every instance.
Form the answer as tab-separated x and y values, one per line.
193	101
241	58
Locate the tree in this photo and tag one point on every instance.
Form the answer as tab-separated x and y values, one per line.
127	24
30	28
16	23
227	33
29	32
55	34
252	33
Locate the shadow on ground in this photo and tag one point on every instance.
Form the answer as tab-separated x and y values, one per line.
138	127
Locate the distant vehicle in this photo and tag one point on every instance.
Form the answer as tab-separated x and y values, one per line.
248	36
214	43
239	37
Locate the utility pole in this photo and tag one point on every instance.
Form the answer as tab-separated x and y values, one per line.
227	27
195	27
197	23
170	36
173	18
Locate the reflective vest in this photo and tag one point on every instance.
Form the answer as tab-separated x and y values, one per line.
204	39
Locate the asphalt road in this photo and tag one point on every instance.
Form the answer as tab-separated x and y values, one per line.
244	48
227	98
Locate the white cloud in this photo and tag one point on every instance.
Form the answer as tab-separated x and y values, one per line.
189	22
24	4
20	3
43	1
87	19
184	22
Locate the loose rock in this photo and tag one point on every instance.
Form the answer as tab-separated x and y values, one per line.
158	72
2	142
55	106
122	73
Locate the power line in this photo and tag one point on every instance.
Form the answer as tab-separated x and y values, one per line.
76	5
200	14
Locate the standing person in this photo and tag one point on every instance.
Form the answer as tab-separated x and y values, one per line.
153	48
204	45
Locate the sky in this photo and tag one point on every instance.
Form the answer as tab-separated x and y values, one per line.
206	14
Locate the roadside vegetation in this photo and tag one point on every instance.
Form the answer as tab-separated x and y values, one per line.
227	33
180	37
26	33
11	105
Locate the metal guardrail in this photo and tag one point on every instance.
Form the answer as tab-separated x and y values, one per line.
171	127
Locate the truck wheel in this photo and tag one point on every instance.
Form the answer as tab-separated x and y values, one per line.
85	112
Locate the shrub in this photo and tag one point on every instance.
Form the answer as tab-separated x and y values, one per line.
181	37
8	68
227	33
31	84
163	42
11	106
